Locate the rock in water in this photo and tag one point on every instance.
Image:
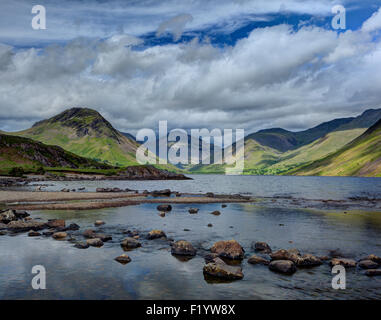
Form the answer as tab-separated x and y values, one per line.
99	223
282	266
228	249
164	207
308	260
183	248
123	259
216	213
59	235
130	243
368	264
193	210
347	263
22	226
373	272
8	216
156	234
56	223
262	247
82	245
103	237
96	242
33	233
258	260
373	258
89	233
219	269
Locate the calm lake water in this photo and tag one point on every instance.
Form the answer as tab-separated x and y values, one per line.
154	273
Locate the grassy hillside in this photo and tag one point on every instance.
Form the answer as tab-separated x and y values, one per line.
86	133
361	157
34	156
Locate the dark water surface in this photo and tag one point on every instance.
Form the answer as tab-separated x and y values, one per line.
154	273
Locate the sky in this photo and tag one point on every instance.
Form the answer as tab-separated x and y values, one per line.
238	64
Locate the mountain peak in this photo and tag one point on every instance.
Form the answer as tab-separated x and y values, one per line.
84	120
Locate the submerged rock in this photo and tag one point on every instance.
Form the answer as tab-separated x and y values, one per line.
103	237
130	243
96	242
164	207
183	248
262	247
99	223
82	245
73	227
216	213
228	249
347	263
373	258
193	210
89	233
123	259
33	233
156	234
282	266
219	269
373	272
254	259
368	264
159	193
162	214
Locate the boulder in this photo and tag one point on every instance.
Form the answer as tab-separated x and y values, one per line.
308	260
210	194
368	264
219	269
33	233
228	249
103	237
254	259
210	225
373	258
223	206
164	207
99	223
56	223
162	214
123	259
209	257
59	235
96	242
347	263
292	255
23	226
8	216
73	227
193	210
89	234
282	266
159	193
215	213
3	226
20	214
82	245
373	272
156	234
183	248
130	243
48	233
262	247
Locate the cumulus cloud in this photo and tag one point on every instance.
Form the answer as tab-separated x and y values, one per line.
274	77
373	23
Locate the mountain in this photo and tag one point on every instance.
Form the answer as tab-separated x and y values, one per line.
361	157
128	135
29	154
284	140
86	133
267	159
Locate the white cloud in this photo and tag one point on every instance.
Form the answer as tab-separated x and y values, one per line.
276	77
373	23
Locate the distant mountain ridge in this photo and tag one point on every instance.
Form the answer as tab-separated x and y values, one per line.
361	157
284	140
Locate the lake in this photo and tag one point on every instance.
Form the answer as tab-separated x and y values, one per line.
154	273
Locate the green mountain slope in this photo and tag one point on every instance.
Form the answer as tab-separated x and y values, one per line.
284	140
31	155
361	157
86	133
